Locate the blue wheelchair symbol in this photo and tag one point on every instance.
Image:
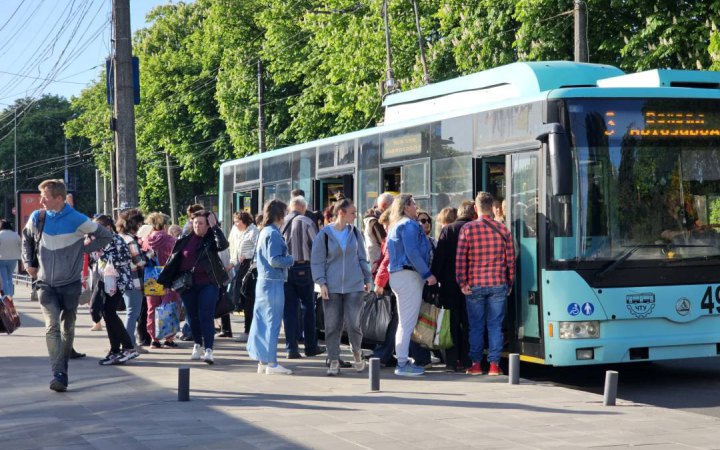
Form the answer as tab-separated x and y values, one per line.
573	309
588	308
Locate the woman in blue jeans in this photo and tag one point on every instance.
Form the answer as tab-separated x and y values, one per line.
127	225
272	260
197	254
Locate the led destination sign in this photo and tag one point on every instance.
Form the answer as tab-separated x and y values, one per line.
660	124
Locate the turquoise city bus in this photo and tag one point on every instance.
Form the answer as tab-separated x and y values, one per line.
611	183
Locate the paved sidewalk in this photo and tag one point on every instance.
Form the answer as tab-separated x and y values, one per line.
135	406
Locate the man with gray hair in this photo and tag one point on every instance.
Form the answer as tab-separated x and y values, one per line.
374	233
299	232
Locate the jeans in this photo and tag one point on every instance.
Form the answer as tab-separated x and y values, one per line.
407	285
7	268
200	301
343	309
486	306
116	331
59	307
133	307
299	289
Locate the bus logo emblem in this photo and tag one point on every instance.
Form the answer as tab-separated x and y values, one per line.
640	305
683	306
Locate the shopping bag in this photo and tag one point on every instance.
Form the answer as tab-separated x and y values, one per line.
443	337
9	318
167	321
150	283
424	331
375	317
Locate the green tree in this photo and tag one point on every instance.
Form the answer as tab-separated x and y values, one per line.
40	151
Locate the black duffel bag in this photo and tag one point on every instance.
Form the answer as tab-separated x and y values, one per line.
375	318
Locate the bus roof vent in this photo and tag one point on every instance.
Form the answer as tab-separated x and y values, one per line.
665	78
493	86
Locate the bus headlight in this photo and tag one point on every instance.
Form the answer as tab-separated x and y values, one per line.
580	330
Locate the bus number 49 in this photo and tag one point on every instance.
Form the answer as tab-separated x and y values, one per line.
707	300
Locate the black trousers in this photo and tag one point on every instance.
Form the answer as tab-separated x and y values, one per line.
225	324
145	338
116	331
453	299
249	306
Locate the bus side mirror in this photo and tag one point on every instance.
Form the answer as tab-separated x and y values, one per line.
559	157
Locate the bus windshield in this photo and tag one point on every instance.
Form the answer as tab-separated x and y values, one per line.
647	181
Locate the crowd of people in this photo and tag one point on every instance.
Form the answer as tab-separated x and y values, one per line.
275	267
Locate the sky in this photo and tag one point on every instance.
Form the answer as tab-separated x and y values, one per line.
57	46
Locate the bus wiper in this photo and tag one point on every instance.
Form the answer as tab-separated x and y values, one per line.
629	252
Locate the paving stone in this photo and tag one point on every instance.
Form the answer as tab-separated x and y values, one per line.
134	406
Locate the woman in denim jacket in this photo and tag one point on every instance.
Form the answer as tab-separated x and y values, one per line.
272	261
409	268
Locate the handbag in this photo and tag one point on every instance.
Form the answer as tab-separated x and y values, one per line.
182	282
375	317
224	304
167	321
150	283
9	318
249	281
424	331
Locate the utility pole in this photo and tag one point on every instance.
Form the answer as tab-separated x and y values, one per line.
261	107
421	44
581	43
124	107
98	188
171	188
17	207
390	86
113	183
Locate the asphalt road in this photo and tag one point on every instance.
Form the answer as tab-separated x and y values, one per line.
691	385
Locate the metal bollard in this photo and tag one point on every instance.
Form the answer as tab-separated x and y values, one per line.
183	384
611	380
374	374
514	368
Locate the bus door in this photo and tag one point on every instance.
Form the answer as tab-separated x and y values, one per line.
522	214
332	188
490	176
246	201
412	177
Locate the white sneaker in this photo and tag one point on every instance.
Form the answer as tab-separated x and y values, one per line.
242	337
359	362
261	368
197	351
277	369
334	368
208	358
434	359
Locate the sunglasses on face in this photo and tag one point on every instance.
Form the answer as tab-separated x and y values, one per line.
424	221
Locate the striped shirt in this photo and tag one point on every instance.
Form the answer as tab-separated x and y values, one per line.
485	257
299	235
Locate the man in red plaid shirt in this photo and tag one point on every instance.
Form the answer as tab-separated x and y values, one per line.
485	270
